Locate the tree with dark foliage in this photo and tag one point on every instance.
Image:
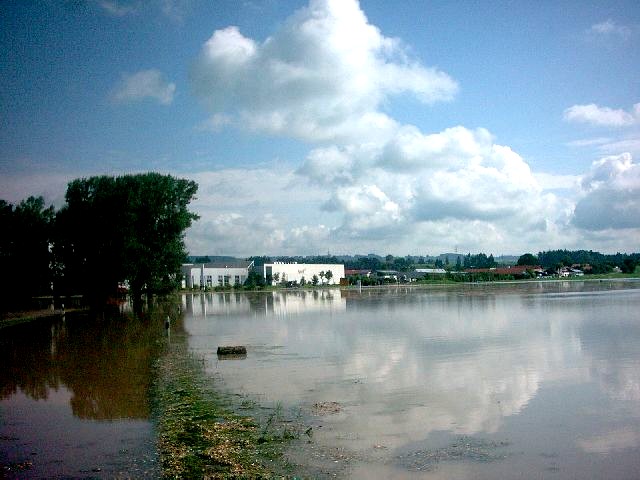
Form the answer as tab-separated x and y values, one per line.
528	259
25	253
127	228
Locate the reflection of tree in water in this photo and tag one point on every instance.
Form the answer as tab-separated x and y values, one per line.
27	360
108	367
106	362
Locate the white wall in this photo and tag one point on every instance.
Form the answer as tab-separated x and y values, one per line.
294	272
196	275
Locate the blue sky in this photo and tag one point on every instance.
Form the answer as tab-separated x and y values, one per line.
333	125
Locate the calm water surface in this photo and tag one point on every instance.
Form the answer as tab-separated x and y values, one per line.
74	398
538	380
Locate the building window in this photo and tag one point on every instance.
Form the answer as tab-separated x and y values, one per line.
209	281
237	282
220	280
227	278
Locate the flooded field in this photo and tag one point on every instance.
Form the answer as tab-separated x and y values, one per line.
74	398
529	380
538	380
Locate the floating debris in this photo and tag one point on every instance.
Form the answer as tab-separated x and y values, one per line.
326	408
238	352
465	448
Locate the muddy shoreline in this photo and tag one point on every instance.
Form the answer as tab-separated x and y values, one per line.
200	432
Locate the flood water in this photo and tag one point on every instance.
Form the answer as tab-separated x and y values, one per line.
74	397
500	381
535	380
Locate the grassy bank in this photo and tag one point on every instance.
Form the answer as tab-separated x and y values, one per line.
200	436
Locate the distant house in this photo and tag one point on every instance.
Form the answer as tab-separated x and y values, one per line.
570	272
515	270
353	273
215	274
431	271
388	275
424	273
584	267
296	272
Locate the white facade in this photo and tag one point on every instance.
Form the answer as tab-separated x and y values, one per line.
295	272
215	274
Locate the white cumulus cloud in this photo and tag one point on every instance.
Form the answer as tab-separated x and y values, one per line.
602	116
457	173
366	208
257	211
611	195
370	182
144	84
321	77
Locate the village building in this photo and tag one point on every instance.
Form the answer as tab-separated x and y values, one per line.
515	270
357	272
280	272
215	274
431	271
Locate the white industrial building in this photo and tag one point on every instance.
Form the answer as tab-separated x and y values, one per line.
215	274
296	272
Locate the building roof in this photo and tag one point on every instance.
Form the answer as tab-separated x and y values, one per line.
356	272
514	270
225	264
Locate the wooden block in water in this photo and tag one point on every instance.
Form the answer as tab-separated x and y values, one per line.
232	350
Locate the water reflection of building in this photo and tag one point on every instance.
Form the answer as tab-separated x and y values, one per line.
276	303
291	303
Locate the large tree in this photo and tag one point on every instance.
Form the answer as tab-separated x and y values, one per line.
126	228
25	255
528	259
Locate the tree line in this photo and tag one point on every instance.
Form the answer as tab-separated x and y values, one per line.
552	259
599	262
111	232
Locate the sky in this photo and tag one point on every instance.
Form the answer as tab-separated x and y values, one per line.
338	126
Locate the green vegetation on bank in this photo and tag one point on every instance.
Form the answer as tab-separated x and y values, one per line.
200	436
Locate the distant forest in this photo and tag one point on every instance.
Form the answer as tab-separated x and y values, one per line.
599	262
